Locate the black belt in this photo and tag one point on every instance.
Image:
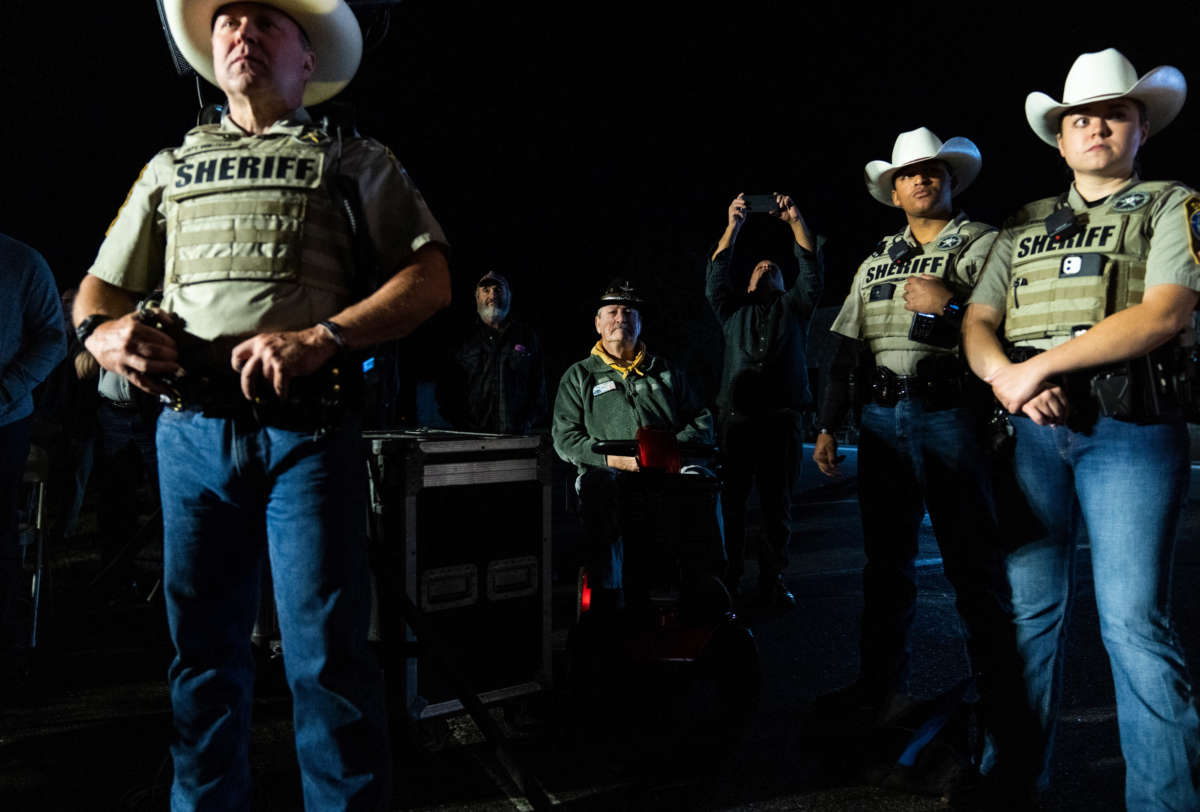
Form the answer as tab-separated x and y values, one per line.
315	402
934	392
1147	389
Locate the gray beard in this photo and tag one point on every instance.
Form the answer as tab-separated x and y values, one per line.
491	313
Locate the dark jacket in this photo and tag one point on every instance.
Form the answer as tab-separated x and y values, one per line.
595	402
766	336
495	381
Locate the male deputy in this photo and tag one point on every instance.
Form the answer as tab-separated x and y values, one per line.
241	227
617	389
917	446
764	388
495	381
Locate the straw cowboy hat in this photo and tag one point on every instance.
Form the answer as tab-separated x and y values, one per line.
918	145
330	25
1108	75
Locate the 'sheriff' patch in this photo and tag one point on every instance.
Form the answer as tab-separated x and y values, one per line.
1191	211
218	170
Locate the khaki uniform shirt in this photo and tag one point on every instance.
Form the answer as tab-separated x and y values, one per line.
1173	258
133	255
902	355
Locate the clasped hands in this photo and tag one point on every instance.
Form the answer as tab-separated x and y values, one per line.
1022	388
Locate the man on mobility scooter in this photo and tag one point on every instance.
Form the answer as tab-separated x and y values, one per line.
653	542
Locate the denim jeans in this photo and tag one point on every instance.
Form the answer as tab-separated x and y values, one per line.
1126	482
910	459
232	492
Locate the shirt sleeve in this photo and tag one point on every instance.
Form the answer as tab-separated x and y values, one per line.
806	291
398	220
970	264
43	333
718	287
992	286
849	319
132	254
568	430
1175	240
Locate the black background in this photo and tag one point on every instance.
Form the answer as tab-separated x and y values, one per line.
566	144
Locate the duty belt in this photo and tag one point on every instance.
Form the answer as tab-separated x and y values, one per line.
934	392
317	402
1153	388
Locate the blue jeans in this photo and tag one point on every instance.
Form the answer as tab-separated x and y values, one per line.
1126	483
232	492
910	459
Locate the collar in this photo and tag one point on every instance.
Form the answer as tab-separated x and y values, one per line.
1076	201
620	365
952	227
294	123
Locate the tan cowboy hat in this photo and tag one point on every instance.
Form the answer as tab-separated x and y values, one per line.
918	145
330	25
1108	75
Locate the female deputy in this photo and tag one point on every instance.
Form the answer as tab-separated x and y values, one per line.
1095	289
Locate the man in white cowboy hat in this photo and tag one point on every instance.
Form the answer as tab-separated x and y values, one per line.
917	447
1095	290
263	305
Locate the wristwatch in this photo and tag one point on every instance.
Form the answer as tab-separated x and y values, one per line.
335	331
85	328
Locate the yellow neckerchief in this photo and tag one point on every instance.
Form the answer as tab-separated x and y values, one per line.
624	367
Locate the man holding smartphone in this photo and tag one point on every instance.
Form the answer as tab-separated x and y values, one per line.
764	386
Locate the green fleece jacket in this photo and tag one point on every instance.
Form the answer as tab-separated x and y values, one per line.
594	403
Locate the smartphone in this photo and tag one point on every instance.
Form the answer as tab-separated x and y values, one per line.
761	204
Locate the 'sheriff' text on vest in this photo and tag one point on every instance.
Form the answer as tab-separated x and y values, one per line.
1058	287
886	321
254	208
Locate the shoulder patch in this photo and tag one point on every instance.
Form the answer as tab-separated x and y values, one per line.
950	242
1191	211
1130	201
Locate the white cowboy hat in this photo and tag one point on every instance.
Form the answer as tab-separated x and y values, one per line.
1107	75
918	145
330	25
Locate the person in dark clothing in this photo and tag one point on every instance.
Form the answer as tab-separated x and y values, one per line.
764	389
496	380
32	342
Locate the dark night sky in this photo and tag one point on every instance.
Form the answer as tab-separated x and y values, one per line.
566	144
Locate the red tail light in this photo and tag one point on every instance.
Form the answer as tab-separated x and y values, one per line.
585	592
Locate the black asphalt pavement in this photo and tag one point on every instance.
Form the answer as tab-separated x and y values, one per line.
88	730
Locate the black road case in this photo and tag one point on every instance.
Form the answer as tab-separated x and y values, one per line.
461	524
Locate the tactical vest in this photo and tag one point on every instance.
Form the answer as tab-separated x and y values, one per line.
254	208
1058	286
886	323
